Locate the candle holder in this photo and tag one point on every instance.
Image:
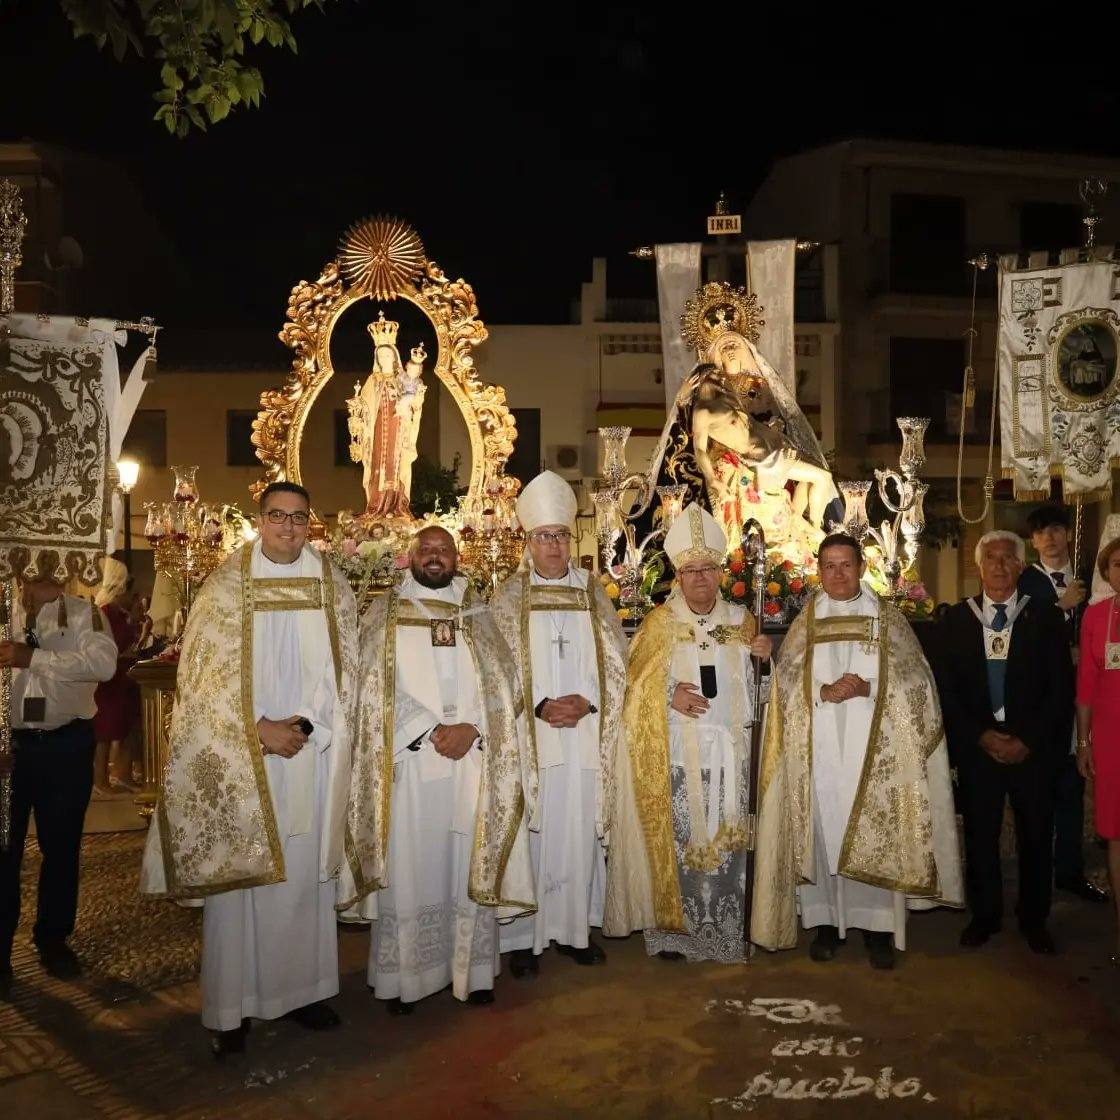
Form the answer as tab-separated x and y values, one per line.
190	538
186	489
856	522
672	503
615	526
898	540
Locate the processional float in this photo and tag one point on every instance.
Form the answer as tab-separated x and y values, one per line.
383	260
64	412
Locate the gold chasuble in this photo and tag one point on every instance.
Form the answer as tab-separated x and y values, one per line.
510	607
214	828
643	887
500	873
901	834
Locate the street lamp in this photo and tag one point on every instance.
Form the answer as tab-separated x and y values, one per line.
128	471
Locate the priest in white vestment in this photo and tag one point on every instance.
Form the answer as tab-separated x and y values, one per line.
678	854
864	825
571	654
438	813
253	807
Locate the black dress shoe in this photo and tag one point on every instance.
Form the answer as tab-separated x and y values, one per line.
1040	941
1090	892
523	962
229	1042
977	933
482	998
315	1017
58	959
593	954
670	955
397	1006
825	944
880	952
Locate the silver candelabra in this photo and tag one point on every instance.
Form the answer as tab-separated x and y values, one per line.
614	524
897	540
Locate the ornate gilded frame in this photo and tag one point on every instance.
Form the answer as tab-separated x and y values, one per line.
382	259
1103	317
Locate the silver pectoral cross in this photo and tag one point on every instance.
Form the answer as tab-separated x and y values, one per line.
560	641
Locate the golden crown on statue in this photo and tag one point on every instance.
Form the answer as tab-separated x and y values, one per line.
384	331
716	309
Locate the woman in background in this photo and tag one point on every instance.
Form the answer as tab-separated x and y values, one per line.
1098	711
118	699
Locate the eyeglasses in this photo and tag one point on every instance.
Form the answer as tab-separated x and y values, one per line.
552	538
709	571
278	517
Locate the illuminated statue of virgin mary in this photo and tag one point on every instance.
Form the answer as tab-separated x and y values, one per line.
737	434
385	421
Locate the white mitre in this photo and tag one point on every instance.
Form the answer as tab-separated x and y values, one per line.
695	535
547	500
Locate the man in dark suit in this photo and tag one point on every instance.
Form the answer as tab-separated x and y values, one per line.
1052	580
1006	683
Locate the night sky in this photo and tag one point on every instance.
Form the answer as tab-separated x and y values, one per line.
519	140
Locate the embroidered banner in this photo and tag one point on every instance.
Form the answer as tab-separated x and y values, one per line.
1059	382
54	457
770	272
678	277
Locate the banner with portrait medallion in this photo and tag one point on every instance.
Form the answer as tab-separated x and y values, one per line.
1059	344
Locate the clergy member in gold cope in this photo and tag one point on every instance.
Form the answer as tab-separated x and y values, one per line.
856	820
437	850
571	654
253	807
677	864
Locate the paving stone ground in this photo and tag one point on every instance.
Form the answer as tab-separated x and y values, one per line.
995	1034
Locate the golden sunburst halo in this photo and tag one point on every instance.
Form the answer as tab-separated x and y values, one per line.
717	308
384	255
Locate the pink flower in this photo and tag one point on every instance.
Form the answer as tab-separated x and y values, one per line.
349	547
917	593
321	545
401	561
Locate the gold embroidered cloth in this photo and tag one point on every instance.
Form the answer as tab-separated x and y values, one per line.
511	605
500	873
643	888
214	828
54	458
902	832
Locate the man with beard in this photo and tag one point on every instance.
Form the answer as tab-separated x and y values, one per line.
437	850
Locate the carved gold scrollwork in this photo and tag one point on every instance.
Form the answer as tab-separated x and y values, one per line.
314	309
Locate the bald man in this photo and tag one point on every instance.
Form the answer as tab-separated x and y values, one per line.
455	854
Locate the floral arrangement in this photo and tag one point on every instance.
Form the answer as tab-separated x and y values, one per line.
649	581
370	553
914	600
789	583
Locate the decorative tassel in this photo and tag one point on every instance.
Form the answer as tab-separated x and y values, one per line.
150	364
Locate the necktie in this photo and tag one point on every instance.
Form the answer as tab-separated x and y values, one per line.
997	670
1059	579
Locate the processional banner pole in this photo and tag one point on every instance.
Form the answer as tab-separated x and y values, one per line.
5	718
754	542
